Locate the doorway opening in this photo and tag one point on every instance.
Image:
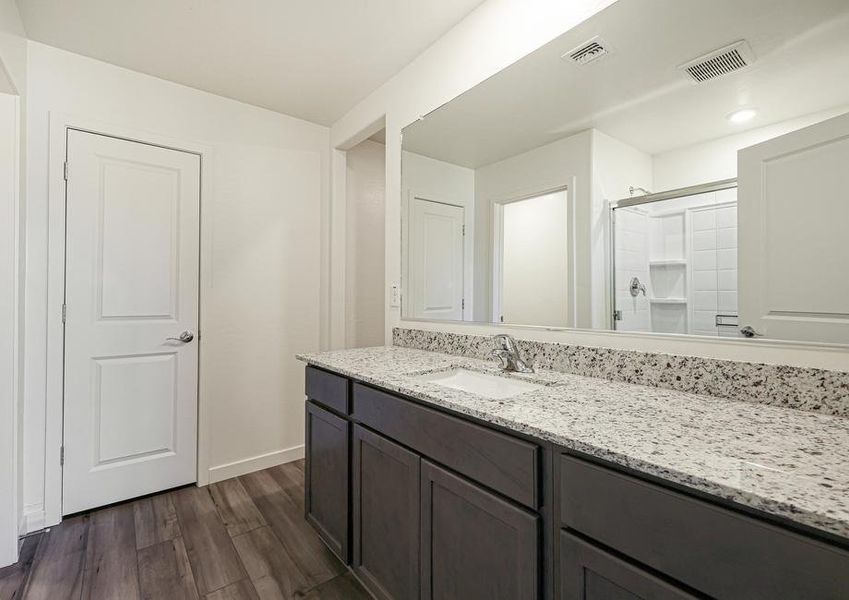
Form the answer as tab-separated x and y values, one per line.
365	217
532	261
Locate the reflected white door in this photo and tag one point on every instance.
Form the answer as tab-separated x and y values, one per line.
793	205
130	422
436	260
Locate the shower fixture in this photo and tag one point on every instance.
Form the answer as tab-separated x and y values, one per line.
632	189
636	287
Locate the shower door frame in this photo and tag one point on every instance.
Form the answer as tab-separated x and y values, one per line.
702	188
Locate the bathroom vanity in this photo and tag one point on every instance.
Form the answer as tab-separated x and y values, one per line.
578	488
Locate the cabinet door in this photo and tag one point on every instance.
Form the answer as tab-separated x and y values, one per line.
474	544
589	573
326	503
386	516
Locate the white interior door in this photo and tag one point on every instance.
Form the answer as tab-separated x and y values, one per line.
130	422
793	205
436	260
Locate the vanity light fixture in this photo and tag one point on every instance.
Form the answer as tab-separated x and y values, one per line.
742	115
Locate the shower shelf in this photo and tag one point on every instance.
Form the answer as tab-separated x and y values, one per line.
668	300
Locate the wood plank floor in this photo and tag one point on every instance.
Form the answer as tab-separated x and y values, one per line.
241	538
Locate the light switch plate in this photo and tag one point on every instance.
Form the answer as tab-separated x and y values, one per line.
395	295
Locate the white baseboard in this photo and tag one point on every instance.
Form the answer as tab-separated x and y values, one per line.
33	519
255	463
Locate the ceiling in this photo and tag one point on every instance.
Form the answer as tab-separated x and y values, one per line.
313	59
637	93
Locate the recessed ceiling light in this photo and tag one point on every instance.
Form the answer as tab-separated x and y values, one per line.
742	115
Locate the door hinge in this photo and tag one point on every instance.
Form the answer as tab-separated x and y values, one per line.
64	312
61	455
617	315
463	303
65	171
464	230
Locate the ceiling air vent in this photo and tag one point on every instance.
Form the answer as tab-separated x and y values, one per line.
719	62
588	51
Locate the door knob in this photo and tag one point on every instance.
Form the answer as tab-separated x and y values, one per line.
749	332
185	337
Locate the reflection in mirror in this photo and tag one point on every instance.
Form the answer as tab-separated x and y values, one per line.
689	181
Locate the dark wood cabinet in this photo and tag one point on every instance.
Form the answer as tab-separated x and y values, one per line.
720	552
474	544
386	516
590	573
327	389
428	504
327	478
501	462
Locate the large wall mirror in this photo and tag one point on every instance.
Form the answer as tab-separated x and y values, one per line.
667	166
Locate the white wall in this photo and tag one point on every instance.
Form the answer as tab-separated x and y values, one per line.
492	37
563	163
364	277
444	182
269	181
616	167
716	160
12	90
13	49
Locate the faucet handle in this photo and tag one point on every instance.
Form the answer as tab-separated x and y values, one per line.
503	356
505	341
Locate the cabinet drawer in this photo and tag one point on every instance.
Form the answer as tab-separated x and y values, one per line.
715	550
327	389
504	463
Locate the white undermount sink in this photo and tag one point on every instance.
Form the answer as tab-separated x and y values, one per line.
489	386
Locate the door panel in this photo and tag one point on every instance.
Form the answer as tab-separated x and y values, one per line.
589	573
467	532
436	260
793	211
131	282
148	404
386	516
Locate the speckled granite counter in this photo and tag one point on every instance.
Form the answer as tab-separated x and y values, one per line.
789	463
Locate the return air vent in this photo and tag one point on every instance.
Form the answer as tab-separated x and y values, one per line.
720	62
588	51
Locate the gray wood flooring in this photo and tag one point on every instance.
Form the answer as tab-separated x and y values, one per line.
241	538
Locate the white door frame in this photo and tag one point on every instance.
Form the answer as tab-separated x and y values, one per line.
498	250
10	356
54	409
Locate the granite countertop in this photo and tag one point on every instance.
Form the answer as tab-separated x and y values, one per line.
789	463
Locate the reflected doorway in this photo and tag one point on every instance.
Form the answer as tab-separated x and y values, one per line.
531	279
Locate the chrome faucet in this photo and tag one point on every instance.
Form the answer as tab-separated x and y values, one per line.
508	353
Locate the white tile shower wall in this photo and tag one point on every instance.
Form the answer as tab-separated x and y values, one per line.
632	250
714	260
